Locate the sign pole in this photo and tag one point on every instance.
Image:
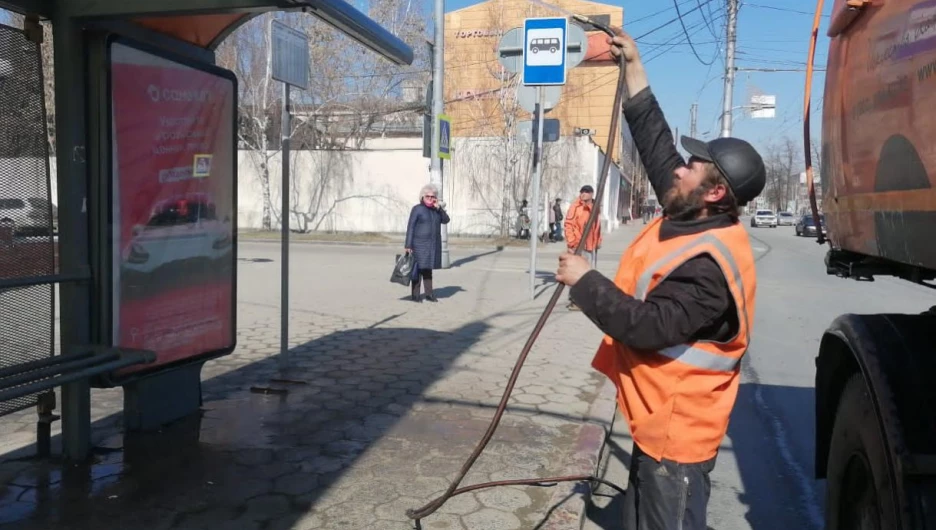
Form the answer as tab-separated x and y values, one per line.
290	58
438	77
537	173
542	52
284	216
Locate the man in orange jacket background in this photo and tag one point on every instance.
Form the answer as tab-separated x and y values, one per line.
677	317
574	227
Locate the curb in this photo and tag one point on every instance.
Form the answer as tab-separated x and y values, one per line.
569	499
382	244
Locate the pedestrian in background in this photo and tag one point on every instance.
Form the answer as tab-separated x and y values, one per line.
424	239
575	221
556	218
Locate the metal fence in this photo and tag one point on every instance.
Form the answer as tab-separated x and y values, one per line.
27	245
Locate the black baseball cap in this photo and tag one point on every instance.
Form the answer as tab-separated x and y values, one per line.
738	162
587	189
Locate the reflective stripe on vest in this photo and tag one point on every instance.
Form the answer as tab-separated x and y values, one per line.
700	358
685	353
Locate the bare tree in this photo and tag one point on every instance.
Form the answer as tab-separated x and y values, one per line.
247	54
782	164
342	108
497	164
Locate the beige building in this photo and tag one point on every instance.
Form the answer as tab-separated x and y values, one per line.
481	97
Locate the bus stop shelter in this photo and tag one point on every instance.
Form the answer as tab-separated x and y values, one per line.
188	31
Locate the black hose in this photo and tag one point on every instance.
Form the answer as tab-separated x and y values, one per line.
453	489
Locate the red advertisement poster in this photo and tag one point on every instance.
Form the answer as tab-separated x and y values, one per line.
173	204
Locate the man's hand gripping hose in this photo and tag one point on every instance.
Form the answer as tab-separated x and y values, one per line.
453	488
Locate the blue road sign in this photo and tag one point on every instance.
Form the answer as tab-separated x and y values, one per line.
544	51
445	137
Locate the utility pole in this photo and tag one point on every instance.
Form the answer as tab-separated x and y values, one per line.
438	72
729	67
693	118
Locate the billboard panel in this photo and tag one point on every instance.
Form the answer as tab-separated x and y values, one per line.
173	205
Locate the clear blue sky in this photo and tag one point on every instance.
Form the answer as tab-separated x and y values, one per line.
770	35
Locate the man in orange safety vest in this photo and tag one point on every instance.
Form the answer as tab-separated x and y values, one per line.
677	317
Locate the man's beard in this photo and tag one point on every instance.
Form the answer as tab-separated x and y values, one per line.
680	208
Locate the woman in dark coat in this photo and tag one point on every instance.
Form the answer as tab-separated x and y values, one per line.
424	239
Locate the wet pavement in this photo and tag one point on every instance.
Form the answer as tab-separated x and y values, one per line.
374	408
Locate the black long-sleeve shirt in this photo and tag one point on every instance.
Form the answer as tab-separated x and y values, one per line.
693	302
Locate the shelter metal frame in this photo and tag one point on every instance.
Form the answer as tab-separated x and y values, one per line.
194	28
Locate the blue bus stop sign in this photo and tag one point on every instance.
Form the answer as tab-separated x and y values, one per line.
544	51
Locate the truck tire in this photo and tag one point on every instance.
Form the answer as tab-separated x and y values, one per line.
859	495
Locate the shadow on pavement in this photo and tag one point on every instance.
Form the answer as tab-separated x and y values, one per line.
468	259
771	488
448	291
604	509
771	465
440	292
252	460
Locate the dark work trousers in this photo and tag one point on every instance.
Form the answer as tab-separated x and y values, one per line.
666	495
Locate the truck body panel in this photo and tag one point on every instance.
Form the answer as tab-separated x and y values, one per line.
878	148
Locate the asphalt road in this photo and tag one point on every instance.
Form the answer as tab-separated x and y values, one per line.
764	475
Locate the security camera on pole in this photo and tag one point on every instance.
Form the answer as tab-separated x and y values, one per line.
543	50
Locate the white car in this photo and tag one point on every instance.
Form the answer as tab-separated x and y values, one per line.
179	229
764	218
28	216
785	219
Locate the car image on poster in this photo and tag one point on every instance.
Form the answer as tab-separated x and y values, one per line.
172	193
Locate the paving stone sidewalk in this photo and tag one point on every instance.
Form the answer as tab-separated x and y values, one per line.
384	401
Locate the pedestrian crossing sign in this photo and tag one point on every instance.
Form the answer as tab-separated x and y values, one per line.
202	167
445	137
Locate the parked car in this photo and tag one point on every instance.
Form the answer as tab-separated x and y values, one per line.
785	219
28	216
806	226
764	218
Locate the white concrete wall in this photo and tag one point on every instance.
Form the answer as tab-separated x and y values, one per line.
373	190
370	190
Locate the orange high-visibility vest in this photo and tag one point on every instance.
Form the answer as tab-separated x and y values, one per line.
575	222
677	400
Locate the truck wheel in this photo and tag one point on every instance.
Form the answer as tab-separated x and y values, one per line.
859	494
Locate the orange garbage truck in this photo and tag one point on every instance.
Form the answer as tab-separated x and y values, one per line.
876	374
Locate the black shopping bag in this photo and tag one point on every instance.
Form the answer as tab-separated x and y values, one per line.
403	269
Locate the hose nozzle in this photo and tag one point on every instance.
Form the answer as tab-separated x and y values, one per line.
585	20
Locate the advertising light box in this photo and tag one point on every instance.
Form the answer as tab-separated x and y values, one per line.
173	206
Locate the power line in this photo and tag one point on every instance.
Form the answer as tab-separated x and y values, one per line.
669	46
651	15
711	29
777	50
785	9
672	21
686	32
